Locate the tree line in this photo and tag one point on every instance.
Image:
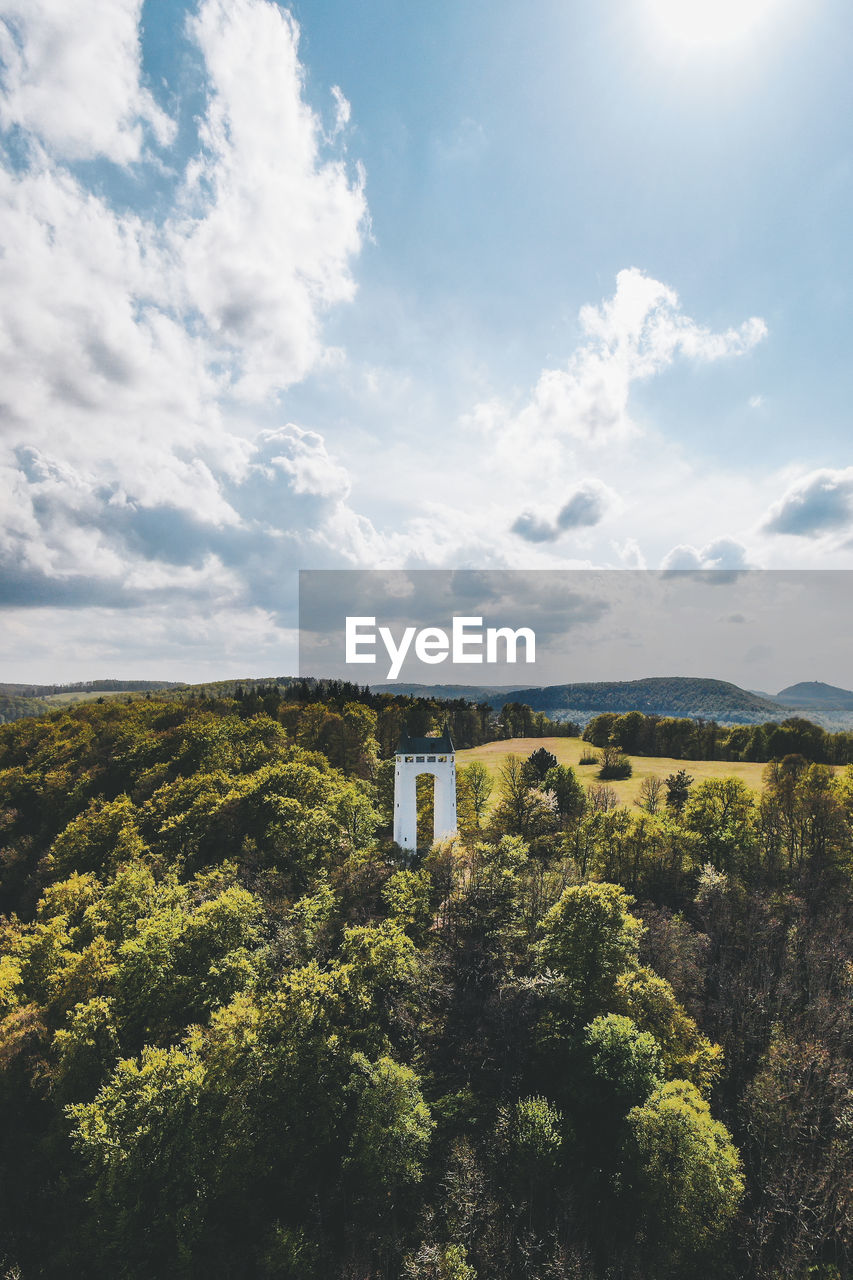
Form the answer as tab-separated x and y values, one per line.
695	739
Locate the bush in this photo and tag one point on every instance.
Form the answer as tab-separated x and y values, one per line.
614	764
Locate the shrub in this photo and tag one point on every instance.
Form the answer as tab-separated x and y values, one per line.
614	764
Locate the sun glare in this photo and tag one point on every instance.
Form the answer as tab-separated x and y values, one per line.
703	22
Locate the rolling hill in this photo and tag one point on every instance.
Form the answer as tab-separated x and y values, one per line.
659	695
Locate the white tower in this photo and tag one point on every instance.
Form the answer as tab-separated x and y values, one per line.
424	755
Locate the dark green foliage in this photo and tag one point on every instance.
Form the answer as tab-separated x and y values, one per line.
473	790
519	720
562	781
677	789
537	765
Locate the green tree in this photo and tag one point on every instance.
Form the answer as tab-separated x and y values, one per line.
687	1183
624	1062
529	1140
537	765
106	835
685	1052
145	1136
677	789
614	763
590	938
721	813
522	810
568	790
391	1128
474	788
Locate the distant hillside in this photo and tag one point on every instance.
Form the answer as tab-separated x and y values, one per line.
664	695
660	695
18	701
815	694
86	687
494	694
15	707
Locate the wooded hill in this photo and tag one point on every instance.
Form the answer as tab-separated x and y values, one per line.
683	696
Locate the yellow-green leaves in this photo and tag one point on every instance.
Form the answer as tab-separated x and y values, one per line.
688	1177
590	938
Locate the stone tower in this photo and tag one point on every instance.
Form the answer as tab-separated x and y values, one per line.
424	755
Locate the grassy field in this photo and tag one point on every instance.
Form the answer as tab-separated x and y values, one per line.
569	751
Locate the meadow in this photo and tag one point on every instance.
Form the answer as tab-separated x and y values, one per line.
569	751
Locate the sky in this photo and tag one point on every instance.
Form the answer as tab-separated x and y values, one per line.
383	286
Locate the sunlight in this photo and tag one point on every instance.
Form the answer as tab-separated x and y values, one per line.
704	22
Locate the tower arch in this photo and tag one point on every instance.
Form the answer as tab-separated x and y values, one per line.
414	756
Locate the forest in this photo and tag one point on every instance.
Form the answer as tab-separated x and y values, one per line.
244	1035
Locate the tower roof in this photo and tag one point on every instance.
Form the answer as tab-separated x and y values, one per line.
422	746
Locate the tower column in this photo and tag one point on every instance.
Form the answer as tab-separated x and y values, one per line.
444	812
405	806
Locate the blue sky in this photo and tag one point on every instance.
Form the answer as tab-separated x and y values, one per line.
383	285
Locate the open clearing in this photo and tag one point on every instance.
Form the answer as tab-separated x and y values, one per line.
569	751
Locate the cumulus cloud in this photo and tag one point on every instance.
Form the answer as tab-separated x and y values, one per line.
818	503
272	226
721	554
76	538
635	334
587	506
128	468
71	78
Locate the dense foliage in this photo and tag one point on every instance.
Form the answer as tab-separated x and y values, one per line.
243	1035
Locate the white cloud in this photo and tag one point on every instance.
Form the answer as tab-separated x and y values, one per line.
722	553
92	353
637	333
817	504
142	466
73	536
587	506
271	226
630	555
126	466
203	644
343	109
71	77
302	457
